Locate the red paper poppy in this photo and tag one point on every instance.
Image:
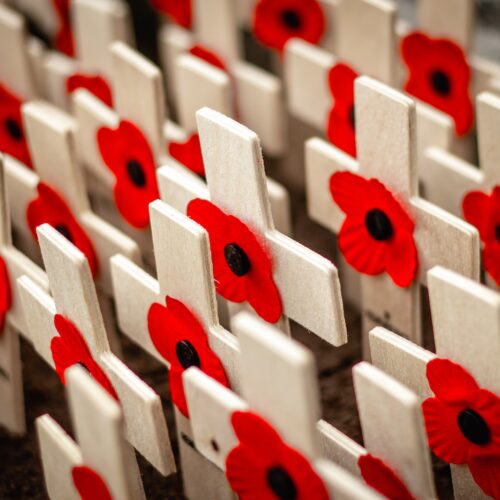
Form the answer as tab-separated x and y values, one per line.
181	339
382	478
262	466
277	21
128	155
89	484
439	75
483	211
50	208
208	56
63	40
95	84
69	348
179	11
377	233
341	120
12	136
242	267
189	154
5	293
463	423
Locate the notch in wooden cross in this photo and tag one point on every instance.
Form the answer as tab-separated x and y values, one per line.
466	191
203	60
175	319
14	264
384	215
67	328
96	25
100	462
466	321
300	284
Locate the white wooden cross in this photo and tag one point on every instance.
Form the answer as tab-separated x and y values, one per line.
96	25
447	178
434	19
385	121
74	297
307	283
100	445
143	78
48	129
466	321
11	384
284	391
292	412
16	66
184	273
311	100
255	97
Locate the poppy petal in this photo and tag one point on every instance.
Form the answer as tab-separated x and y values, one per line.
443	434
189	154
450	382
486	473
89	484
95	84
476	207
382	478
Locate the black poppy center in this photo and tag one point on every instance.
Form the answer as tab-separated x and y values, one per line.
291	18
237	259
14	129
186	354
64	230
136	173
497	232
379	225
281	483
441	82
352	117
473	427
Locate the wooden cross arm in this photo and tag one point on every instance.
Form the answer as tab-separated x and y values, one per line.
91	114
393	427
260	105
210	407
145	428
134	75
338	447
19	265
291	402
72	286
178	187
198	83
466	321
59	454
39	309
134	292
309	102
447	179
15	70
322	160
401	359
445	240
108	241
342	484
21	183
98	423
